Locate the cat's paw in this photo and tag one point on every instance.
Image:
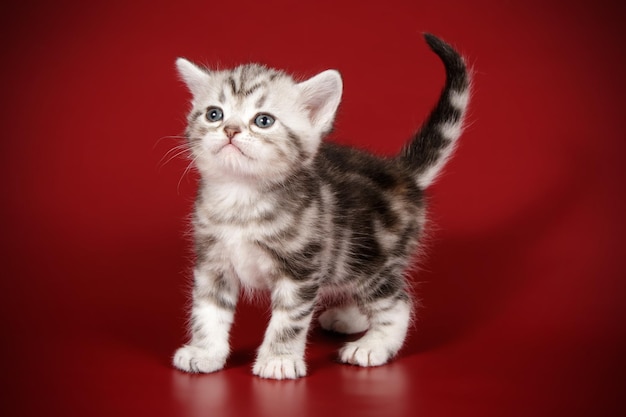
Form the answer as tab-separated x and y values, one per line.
279	367
346	320
197	360
365	353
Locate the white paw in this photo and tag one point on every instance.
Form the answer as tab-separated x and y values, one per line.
364	353
347	320
194	359
279	367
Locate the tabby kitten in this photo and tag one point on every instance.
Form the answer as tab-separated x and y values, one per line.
313	222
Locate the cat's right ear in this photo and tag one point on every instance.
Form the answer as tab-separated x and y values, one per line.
195	77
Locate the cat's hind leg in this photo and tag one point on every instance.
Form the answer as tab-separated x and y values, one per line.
389	320
346	319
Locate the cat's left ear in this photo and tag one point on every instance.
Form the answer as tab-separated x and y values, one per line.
195	77
321	95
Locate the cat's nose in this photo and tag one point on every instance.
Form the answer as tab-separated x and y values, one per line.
231	130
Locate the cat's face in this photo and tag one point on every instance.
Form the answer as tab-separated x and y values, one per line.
255	123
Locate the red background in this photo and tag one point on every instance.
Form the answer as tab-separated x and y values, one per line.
523	288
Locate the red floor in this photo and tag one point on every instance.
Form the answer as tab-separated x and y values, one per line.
523	287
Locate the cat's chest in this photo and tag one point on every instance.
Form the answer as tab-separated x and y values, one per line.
253	266
243	224
238	233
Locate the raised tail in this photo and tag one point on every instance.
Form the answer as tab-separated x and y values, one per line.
435	141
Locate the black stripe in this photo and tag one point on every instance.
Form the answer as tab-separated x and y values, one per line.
217	293
308	293
197	328
203	243
296	142
251	89
303	314
288	333
300	265
425	148
195	115
261	101
387	288
233	86
219	301
403	296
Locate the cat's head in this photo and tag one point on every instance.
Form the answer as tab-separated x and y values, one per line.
257	123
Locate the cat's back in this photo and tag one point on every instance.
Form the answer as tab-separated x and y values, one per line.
361	179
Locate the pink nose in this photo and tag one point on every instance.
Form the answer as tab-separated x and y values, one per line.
231	131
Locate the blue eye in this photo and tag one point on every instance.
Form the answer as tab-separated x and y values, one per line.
214	114
264	120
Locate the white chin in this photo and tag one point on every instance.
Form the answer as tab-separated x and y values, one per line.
235	163
231	149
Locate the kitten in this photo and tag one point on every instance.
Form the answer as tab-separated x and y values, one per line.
278	209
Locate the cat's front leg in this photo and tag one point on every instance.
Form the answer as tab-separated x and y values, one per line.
212	314
281	355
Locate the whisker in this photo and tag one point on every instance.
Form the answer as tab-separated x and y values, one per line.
168	137
174	153
186	171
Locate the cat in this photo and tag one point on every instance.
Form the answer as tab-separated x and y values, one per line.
315	223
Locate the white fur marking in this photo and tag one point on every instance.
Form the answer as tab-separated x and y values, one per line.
280	367
450	131
382	342
346	320
428	177
209	347
459	99
278	359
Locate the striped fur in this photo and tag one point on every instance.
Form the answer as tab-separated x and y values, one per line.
434	143
314	223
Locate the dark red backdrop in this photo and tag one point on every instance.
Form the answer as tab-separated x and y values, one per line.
523	288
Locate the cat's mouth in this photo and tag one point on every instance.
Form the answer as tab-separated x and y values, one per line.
232	148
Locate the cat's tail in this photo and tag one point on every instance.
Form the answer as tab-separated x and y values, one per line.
435	141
